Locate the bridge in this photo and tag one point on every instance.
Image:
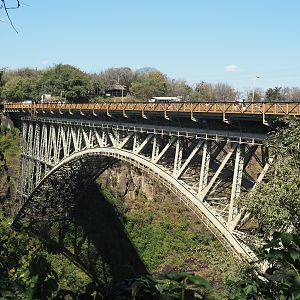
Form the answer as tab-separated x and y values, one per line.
207	154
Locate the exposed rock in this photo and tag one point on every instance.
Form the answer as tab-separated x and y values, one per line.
128	181
6	122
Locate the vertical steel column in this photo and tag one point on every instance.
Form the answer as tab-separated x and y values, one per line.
44	144
30	140
29	160
236	184
87	138
155	147
98	137
204	166
116	134
24	137
36	154
68	141
52	146
74	140
178	156
36	141
58	144
79	138
136	142
104	139
64	141
112	137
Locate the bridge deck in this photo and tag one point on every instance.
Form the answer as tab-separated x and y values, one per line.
223	109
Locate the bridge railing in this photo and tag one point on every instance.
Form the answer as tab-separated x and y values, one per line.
256	108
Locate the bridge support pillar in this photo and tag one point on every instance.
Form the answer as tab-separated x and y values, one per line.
204	166
155	148
236	185
178	157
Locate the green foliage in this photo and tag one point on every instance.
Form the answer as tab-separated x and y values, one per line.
150	85
275	204
281	279
274	95
41	279
20	84
67	80
27	270
203	92
16	251
174	285
218	92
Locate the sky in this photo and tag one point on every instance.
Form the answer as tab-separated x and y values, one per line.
243	43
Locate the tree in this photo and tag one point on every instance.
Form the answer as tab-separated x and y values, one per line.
291	94
258	95
273	95
20	84
219	92
280	280
223	92
67	80
203	92
180	88
149	85
99	83
275	204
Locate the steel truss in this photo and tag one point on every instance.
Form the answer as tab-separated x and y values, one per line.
209	173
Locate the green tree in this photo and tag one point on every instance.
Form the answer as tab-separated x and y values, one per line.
274	95
275	204
281	278
67	80
19	89
20	84
149	85
203	92
219	92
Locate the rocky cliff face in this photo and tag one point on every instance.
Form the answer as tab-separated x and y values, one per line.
128	182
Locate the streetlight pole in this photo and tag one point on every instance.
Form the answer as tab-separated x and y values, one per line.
123	87
253	91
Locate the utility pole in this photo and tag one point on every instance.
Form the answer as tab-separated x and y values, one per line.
253	90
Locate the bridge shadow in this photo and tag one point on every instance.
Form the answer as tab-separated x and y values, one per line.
93	237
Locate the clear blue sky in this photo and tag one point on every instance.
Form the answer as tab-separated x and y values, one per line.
230	41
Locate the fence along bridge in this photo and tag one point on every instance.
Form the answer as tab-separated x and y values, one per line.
208	154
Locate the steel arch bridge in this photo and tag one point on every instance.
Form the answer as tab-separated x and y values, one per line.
207	161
